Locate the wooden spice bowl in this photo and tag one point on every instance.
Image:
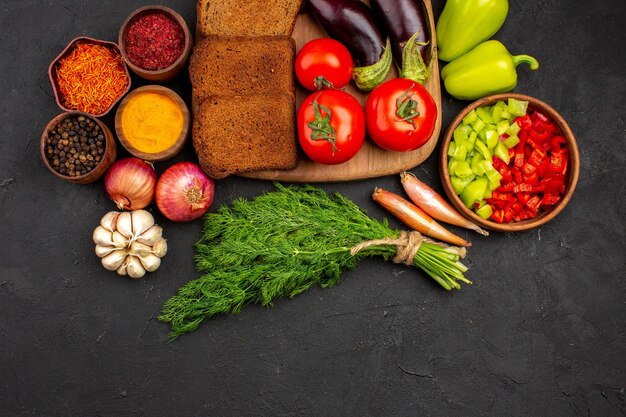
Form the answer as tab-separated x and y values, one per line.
571	177
68	49
176	147
173	70
110	151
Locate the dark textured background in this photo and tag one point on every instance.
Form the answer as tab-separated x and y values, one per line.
541	333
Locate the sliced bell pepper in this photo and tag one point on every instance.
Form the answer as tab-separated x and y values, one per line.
485	211
550	199
482	148
556	142
538	116
524	121
459	184
528	168
544	167
517	107
522	197
470	118
532	179
474	191
501	152
511	141
558	161
553	183
517	175
506	188
498	216
501	166
523	188
539	137
533	203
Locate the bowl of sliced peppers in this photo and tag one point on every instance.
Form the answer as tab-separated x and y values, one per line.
509	162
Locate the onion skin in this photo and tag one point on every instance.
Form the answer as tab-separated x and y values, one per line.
184	192
130	183
415	218
434	205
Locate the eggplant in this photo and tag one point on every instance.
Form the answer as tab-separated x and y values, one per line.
352	23
410	32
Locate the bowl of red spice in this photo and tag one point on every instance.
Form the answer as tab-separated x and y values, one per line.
77	147
89	76
509	162
155	42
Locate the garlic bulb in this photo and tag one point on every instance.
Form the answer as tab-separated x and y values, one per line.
129	243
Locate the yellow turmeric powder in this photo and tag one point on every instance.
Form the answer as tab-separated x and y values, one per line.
152	122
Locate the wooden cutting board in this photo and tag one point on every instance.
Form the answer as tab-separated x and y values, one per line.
371	161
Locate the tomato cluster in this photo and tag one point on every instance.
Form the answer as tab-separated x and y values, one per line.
399	114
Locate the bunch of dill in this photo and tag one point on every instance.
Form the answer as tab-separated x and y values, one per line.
282	243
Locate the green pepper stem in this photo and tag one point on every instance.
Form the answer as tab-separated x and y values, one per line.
527	59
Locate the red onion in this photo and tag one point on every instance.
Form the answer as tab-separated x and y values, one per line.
184	192
130	183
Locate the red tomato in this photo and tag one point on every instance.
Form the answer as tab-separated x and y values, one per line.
331	126
400	115
323	63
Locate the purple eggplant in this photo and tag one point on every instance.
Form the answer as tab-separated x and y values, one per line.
409	28
352	23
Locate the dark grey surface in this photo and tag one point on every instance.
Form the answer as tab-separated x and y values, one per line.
541	333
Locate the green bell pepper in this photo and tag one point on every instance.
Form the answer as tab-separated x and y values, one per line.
463	24
487	69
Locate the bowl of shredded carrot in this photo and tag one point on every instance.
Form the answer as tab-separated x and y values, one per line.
89	76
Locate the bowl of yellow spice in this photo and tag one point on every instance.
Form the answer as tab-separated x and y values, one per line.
152	123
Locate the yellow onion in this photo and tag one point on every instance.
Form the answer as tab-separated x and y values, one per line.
130	183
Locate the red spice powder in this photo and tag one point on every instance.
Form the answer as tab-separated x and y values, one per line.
154	41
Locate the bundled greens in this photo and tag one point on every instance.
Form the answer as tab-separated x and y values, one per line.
282	243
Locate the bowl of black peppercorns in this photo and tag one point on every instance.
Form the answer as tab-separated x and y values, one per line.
77	147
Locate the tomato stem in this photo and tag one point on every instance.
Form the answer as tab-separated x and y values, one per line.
321	83
322	130
407	107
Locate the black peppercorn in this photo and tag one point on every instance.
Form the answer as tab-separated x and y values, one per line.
72	144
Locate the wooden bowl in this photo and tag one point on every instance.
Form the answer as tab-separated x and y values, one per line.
572	175
110	151
68	49
173	70
172	150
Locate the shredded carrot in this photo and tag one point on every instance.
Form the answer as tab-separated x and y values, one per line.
91	78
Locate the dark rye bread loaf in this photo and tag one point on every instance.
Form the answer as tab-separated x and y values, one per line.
236	134
242	65
247	17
